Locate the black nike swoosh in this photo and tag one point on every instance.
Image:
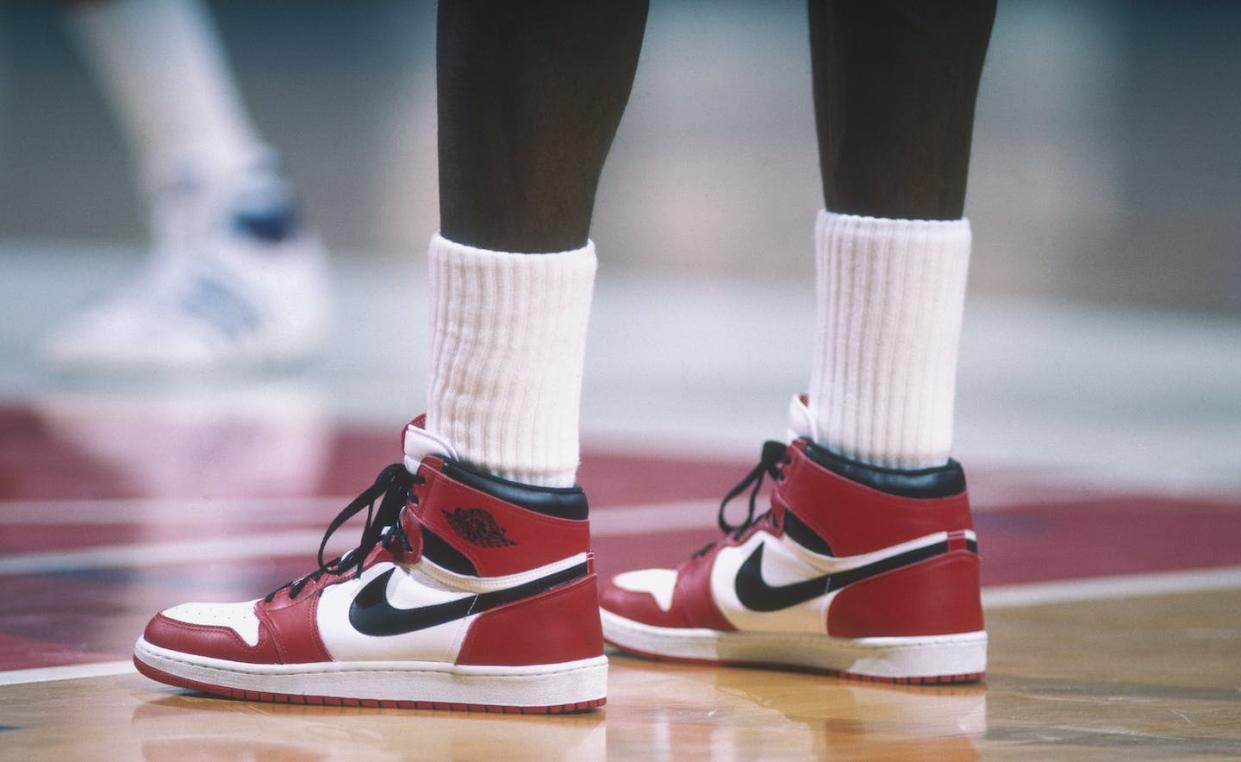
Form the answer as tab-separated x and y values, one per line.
372	614
755	594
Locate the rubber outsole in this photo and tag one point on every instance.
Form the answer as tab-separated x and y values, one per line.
972	677
289	698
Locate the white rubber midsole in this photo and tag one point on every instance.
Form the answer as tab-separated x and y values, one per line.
889	657
540	685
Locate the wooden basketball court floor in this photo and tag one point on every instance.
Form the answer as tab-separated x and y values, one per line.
1115	616
1101	447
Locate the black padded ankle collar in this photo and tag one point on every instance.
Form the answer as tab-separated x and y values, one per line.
561	502
926	483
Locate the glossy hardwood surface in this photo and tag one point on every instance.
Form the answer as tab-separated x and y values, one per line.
1144	678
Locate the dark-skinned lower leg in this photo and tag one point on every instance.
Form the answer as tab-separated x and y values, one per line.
895	83
530	96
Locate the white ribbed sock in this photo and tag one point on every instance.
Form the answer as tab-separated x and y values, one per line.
890	296
167	80
508	345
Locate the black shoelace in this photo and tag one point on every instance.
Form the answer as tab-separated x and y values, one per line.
773	457
395	485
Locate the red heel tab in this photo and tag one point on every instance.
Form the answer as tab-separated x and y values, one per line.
554	627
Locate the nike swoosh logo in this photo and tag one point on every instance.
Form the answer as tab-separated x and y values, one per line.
756	595
372	614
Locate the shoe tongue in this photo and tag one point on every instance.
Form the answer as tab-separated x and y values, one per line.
801	423
419	443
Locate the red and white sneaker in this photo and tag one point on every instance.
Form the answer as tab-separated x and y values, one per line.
856	570
466	592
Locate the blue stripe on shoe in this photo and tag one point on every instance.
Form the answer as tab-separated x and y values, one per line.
270	225
220	307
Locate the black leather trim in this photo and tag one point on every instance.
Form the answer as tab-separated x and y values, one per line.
442	554
562	502
926	483
804	536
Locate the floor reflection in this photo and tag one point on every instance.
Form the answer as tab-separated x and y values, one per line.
654	711
743	714
187	727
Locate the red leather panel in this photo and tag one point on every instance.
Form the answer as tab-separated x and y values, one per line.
692	594
854	518
208	640
533	539
640	607
293	627
557	626
692	603
288	633
935	597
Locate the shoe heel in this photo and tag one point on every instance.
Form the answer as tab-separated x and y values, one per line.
561	625
939	596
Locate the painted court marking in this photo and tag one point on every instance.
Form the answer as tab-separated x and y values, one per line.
68	672
163	553
164	511
1121	586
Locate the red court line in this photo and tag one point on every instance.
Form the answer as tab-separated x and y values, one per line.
17	652
29	538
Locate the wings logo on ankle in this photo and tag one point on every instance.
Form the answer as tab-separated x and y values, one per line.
757	595
372	614
474	525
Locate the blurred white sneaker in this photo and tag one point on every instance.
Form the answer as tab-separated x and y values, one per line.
233	280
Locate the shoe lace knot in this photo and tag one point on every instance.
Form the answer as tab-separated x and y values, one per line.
771	462
395	485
